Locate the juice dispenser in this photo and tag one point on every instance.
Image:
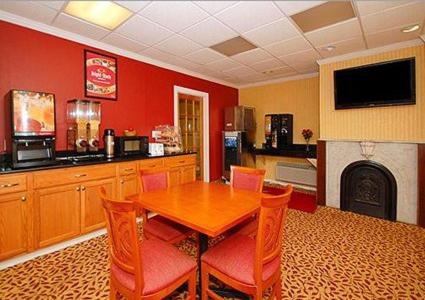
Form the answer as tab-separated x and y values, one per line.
78	123
93	128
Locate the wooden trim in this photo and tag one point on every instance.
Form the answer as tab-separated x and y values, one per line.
421	185
321	172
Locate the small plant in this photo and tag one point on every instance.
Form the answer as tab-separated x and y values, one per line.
307	134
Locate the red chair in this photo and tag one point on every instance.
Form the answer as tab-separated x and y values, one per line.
247	264
158	227
151	269
247	178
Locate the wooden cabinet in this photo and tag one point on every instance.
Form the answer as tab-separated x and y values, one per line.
13	224
128	185
188	174
57	214
41	208
92	214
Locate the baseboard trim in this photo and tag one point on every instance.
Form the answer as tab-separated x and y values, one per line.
50	249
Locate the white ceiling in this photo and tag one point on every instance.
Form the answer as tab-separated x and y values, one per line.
180	32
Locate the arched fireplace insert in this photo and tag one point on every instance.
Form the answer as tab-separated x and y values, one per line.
369	188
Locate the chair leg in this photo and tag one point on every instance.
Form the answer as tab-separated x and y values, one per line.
192	286
258	295
205	281
278	289
112	292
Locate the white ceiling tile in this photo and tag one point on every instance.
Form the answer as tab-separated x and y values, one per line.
213	7
204	56
144	31
307	67
371	7
158	55
271	33
184	63
178	45
399	16
390	36
240	71
223	64
247	15
343	47
209	32
251	56
334	33
134	5
122	42
81	27
174	15
281	72
254	77
293	7
56	5
30	10
286	47
303	57
268	64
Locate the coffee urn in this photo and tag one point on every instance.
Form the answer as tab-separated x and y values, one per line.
108	140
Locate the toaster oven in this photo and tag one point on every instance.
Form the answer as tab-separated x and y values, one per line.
131	145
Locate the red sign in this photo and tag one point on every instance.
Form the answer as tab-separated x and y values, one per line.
101	75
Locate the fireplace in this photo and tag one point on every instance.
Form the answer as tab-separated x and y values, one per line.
369	188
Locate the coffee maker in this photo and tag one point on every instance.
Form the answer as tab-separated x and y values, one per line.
83	118
33	128
278	130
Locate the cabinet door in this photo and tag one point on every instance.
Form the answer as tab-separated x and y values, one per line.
174	176
13	225
128	185
92	214
187	174
57	214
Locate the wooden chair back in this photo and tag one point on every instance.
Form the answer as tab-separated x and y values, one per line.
247	178
271	223
122	236
154	179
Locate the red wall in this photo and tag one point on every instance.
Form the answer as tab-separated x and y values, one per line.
31	60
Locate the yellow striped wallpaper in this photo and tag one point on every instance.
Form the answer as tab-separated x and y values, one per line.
393	123
298	97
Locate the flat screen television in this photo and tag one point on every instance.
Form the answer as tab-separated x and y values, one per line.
382	84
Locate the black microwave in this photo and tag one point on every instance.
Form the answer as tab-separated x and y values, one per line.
131	145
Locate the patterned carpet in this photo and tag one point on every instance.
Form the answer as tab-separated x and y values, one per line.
327	255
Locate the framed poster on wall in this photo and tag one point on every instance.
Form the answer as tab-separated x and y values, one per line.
100	75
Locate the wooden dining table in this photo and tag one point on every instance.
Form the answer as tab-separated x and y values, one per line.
208	208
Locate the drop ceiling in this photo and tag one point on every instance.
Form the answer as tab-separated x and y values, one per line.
180	33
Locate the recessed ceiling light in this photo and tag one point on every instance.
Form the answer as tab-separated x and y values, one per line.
329	48
410	28
103	13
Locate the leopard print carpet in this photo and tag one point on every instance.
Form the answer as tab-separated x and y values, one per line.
326	255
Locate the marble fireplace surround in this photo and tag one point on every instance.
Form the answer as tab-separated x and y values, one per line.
400	158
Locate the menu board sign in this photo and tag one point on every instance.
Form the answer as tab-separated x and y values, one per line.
100	75
33	113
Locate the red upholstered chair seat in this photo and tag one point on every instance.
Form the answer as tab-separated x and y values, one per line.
162	264
164	229
235	256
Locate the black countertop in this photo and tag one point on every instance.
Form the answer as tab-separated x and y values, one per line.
67	161
295	150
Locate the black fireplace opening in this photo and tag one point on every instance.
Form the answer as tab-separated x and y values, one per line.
369	188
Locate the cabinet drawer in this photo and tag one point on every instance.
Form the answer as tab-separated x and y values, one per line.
72	175
182	160
127	168
151	163
12	183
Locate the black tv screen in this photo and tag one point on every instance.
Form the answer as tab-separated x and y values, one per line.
382	84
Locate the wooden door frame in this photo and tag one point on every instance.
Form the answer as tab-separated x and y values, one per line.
205	123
